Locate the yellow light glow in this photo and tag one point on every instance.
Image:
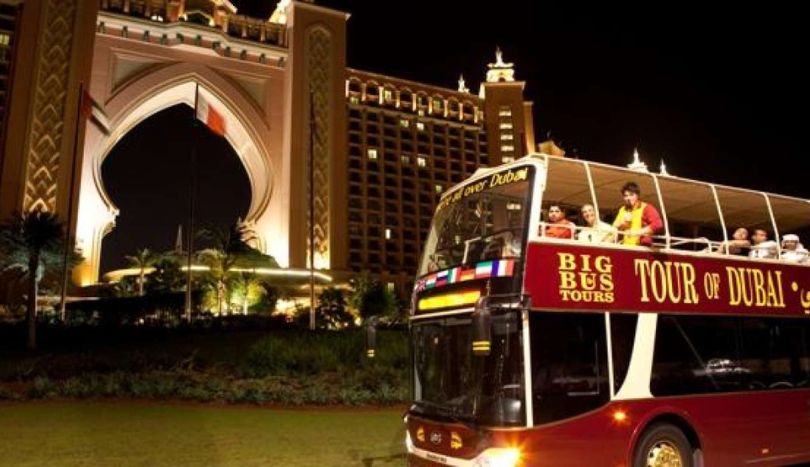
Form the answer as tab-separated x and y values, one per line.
499	457
620	416
117	275
449	300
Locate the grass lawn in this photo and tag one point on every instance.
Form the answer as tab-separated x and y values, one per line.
123	433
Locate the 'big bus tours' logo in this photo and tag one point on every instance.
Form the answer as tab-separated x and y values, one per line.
585	278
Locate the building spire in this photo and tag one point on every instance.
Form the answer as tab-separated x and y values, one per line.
462	86
279	16
178	243
637	164
500	70
663	170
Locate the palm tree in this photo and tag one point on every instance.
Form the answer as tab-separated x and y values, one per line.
142	259
230	249
28	241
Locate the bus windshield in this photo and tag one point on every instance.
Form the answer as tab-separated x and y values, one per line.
484	219
450	382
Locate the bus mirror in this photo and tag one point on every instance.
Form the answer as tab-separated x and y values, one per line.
482	330
371	337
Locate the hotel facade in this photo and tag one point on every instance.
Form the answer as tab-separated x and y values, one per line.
380	149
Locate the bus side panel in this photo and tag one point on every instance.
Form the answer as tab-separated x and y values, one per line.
593	439
764	428
767	427
760	428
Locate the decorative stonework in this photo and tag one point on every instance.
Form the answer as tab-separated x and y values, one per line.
319	56
50	103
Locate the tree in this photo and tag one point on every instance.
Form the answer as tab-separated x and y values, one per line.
32	242
167	278
230	249
331	309
370	297
142	259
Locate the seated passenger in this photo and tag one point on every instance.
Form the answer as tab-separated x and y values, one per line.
761	247
557	226
738	244
637	221
512	245
596	231
792	249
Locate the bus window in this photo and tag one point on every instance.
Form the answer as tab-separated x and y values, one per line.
775	352
566	192
569	362
694	355
748	223
608	183
694	221
793	221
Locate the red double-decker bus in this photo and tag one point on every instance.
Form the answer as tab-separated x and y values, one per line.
690	347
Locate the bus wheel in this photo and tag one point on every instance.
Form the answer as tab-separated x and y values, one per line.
663	445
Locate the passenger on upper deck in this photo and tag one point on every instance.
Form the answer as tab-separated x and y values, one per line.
636	221
761	247
792	249
596	230
557	226
739	244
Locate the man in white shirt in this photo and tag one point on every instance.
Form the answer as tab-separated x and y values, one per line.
792	249
761	247
595	230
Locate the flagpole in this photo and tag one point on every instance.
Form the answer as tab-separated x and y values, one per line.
311	210
192	189
67	245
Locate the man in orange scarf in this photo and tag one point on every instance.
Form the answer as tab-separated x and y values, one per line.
558	226
636	221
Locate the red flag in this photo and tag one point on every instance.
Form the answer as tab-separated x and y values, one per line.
87	104
209	115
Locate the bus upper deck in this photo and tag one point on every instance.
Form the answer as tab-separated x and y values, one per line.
697	217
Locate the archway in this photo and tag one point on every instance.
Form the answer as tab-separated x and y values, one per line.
245	130
149	174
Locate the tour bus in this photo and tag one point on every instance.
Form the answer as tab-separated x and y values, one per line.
529	349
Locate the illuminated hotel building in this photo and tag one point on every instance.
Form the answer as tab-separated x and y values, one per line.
9	15
382	149
407	143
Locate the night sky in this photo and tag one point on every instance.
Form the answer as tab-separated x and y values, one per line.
719	93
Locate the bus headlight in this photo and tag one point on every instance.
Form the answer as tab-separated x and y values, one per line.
498	457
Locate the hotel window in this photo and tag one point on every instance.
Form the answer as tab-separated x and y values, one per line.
404	123
420	126
438	105
405	159
506	159
507	148
507	137
505	112
388	95
354	99
438	188
372	154
505	126
421	161
388	234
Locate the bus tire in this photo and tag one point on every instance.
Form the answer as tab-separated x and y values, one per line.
663	445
